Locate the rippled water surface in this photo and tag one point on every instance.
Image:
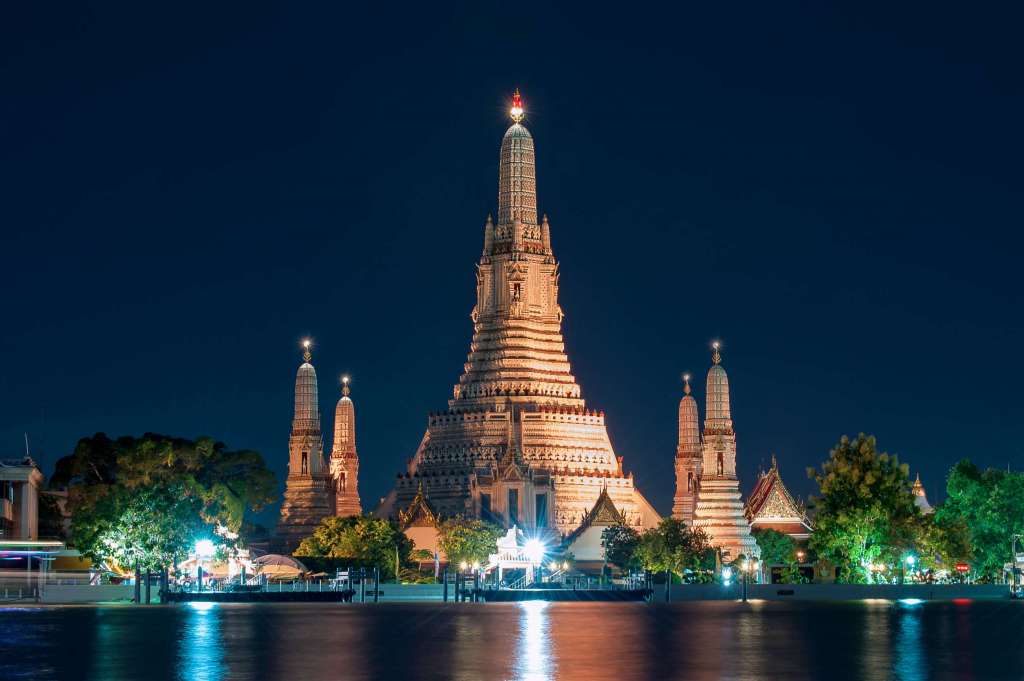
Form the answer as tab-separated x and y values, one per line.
708	640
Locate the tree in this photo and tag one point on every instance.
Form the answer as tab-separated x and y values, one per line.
148	499
865	509
620	543
776	548
360	539
468	540
672	546
942	542
988	504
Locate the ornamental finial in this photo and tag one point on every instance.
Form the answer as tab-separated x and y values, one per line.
686	383
716	356
516	112
344	385
306	354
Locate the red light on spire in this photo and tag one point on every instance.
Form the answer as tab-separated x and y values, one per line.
516	112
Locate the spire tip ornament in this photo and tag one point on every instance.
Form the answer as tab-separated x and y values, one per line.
516	112
306	354
686	383
716	356
344	385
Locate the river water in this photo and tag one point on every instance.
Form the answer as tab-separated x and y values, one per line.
695	641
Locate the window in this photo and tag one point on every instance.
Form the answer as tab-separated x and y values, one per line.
513	507
542	510
689	481
485	506
721	464
305	463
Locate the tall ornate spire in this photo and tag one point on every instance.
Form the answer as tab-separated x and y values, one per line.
689	459
720	512
344	460
306	496
689	430
719	414
307	404
517	173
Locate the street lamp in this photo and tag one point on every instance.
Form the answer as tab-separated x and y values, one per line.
910	561
748	567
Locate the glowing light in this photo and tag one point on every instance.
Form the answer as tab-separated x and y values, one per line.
727	573
534	550
205	548
306	343
476	565
716	345
201	606
565	565
344	379
463	565
516	112
911	601
911	560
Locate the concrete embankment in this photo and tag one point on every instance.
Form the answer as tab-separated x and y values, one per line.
832	592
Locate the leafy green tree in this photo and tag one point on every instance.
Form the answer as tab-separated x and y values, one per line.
989	505
865	509
620	543
942	542
776	548
672	546
361	539
468	540
148	499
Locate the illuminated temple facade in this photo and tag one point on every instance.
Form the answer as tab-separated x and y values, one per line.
314	489
517	444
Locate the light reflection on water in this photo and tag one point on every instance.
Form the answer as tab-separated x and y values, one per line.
534	663
201	645
528	641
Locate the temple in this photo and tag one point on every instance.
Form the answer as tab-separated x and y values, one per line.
344	460
920	498
689	458
307	496
771	507
517	444
719	510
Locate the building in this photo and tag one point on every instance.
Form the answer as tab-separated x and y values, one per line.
344	460
20	480
719	510
517	444
771	507
307	496
689	457
920	498
586	542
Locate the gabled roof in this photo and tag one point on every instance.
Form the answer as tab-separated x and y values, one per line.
771	505
603	514
419	513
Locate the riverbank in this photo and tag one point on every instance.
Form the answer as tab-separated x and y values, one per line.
420	593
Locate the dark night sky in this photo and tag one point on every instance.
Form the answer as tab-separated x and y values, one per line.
836	194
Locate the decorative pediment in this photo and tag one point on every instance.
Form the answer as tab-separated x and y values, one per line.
512	473
604	513
770	500
418	513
